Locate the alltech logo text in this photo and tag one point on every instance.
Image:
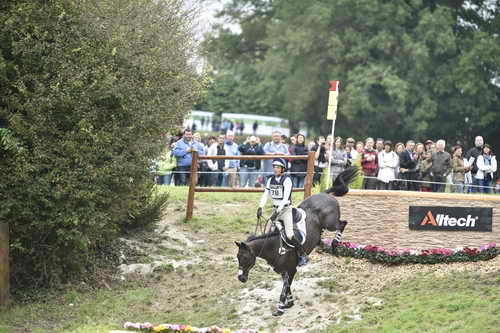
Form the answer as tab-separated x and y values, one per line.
450	218
445	220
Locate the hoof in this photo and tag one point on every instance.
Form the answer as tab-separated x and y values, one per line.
278	313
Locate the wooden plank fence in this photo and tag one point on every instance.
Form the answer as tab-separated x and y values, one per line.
194	175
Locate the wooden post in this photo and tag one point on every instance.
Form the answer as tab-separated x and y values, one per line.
192	186
4	264
310	173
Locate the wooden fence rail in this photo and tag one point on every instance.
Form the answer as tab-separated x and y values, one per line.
194	173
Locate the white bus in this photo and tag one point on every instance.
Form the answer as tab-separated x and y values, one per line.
265	125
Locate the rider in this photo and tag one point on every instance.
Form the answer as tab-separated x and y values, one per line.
279	187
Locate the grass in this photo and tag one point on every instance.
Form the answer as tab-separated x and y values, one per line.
463	302
206	293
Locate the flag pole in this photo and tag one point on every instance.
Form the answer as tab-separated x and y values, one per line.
332	115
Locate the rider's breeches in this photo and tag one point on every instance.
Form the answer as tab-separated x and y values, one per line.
286	216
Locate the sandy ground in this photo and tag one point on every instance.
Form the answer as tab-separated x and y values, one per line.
327	291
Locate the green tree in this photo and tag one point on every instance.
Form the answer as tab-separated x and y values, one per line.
408	69
86	89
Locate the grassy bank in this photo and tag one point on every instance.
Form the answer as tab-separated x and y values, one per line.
461	302
205	291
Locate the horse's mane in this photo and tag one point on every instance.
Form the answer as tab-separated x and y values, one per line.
263	236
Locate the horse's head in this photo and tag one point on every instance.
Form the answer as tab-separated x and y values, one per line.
246	260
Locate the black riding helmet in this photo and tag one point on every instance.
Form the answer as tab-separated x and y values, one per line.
280	162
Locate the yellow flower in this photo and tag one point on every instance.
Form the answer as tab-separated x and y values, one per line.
189	329
159	328
226	330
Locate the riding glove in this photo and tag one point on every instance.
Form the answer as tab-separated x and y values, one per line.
259	212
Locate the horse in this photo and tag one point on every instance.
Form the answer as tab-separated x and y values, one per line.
322	212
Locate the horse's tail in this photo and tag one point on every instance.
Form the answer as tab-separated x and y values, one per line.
341	183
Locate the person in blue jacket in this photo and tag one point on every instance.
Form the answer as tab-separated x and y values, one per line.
183	153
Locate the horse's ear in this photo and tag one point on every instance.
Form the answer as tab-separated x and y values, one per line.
238	244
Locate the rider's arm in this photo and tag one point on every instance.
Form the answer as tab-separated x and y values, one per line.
287	190
263	199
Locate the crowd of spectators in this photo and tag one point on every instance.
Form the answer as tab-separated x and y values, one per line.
412	166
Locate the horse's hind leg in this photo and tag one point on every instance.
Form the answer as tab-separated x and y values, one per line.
338	236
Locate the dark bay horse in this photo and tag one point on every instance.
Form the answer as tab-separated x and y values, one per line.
323	212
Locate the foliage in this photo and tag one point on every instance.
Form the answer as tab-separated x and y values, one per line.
149	211
408	69
408	256
84	98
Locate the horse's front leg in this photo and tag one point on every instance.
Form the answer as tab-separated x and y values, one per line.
338	236
289	297
282	303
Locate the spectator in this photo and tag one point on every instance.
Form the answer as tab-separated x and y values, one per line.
320	161
487	166
233	166
339	158
351	144
428	143
418	156
217	166
398	184
166	164
293	141
459	170
408	167
255	126
369	165
425	172
379	145
358	181
183	153
203	169
273	147
387	164
249	168
299	167
241	127
471	158
441	166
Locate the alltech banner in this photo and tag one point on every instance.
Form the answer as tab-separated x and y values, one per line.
450	218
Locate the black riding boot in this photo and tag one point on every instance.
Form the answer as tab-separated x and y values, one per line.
303	259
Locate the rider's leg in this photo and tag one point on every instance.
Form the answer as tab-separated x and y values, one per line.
286	216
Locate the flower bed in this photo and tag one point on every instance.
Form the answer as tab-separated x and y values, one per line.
173	328
412	256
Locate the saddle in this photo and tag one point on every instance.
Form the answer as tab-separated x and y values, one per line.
299	228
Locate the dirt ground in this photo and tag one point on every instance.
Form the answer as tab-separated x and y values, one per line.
329	290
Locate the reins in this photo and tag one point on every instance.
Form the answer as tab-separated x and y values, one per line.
259	224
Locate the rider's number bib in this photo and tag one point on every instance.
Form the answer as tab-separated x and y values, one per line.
276	191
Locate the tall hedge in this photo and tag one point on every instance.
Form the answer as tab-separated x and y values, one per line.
86	89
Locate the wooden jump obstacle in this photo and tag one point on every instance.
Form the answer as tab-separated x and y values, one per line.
4	264
194	172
